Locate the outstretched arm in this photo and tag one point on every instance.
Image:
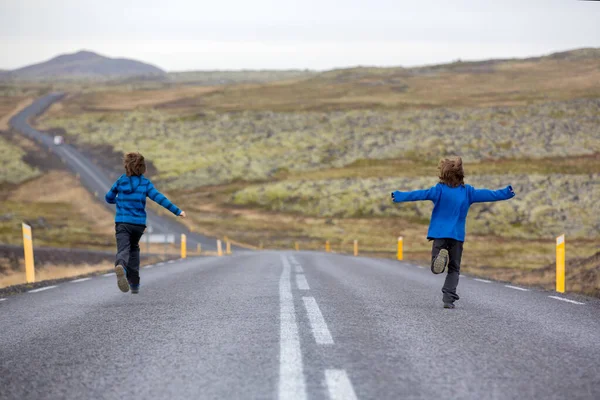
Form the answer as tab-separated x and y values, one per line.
486	195
415	195
162	200
111	196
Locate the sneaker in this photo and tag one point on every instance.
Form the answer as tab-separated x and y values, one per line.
122	279
449	305
135	289
441	262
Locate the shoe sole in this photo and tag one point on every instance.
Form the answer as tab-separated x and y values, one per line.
441	262
121	279
449	306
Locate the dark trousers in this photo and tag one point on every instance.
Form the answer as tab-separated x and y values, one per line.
128	250
455	249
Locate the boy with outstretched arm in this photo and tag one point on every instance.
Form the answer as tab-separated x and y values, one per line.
129	193
451	201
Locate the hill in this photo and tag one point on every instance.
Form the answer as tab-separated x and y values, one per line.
85	65
212	78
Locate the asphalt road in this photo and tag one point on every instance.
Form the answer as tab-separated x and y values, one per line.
296	325
92	176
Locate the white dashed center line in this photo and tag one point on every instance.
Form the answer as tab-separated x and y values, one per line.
41	289
517	288
482	280
81	280
339	385
170	262
149	266
298	269
301	282
567	300
2	299
317	322
291	370
109	274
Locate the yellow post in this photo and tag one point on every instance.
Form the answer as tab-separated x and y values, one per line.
297	246
260	245
199	248
560	264
400	255
355	248
219	249
183	246
28	249
327	246
228	247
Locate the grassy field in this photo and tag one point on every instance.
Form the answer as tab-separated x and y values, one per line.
217	148
314	158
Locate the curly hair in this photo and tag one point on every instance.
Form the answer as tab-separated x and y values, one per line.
451	172
134	164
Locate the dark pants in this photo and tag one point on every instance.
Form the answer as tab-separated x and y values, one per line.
455	249
128	250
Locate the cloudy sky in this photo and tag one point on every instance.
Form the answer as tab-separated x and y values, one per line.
273	34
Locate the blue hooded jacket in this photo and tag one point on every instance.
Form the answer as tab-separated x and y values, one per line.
451	205
129	194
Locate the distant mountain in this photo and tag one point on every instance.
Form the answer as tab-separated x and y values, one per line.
85	65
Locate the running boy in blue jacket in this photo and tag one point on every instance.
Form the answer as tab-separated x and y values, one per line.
451	201
129	193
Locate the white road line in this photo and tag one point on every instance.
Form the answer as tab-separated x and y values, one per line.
567	300
81	280
41	289
109	274
517	288
84	167
291	371
419	266
170	262
339	385
2	299
482	280
299	269
160	263
317	322
293	260
301	282
149	266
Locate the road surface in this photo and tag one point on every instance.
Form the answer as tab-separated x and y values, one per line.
92	176
296	325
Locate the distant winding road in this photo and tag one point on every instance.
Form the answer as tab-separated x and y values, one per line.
92	176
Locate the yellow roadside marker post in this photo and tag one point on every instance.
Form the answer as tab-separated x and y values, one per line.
228	247
327	246
355	248
400	249
219	249
28	249
199	248
183	246
560	264
297	246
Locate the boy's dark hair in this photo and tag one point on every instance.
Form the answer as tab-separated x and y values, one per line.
451	172
134	164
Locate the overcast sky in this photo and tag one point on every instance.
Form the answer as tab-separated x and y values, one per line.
274	34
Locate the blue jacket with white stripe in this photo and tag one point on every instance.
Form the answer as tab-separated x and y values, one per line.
129	194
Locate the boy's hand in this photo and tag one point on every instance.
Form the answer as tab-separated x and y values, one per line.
393	198
183	215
